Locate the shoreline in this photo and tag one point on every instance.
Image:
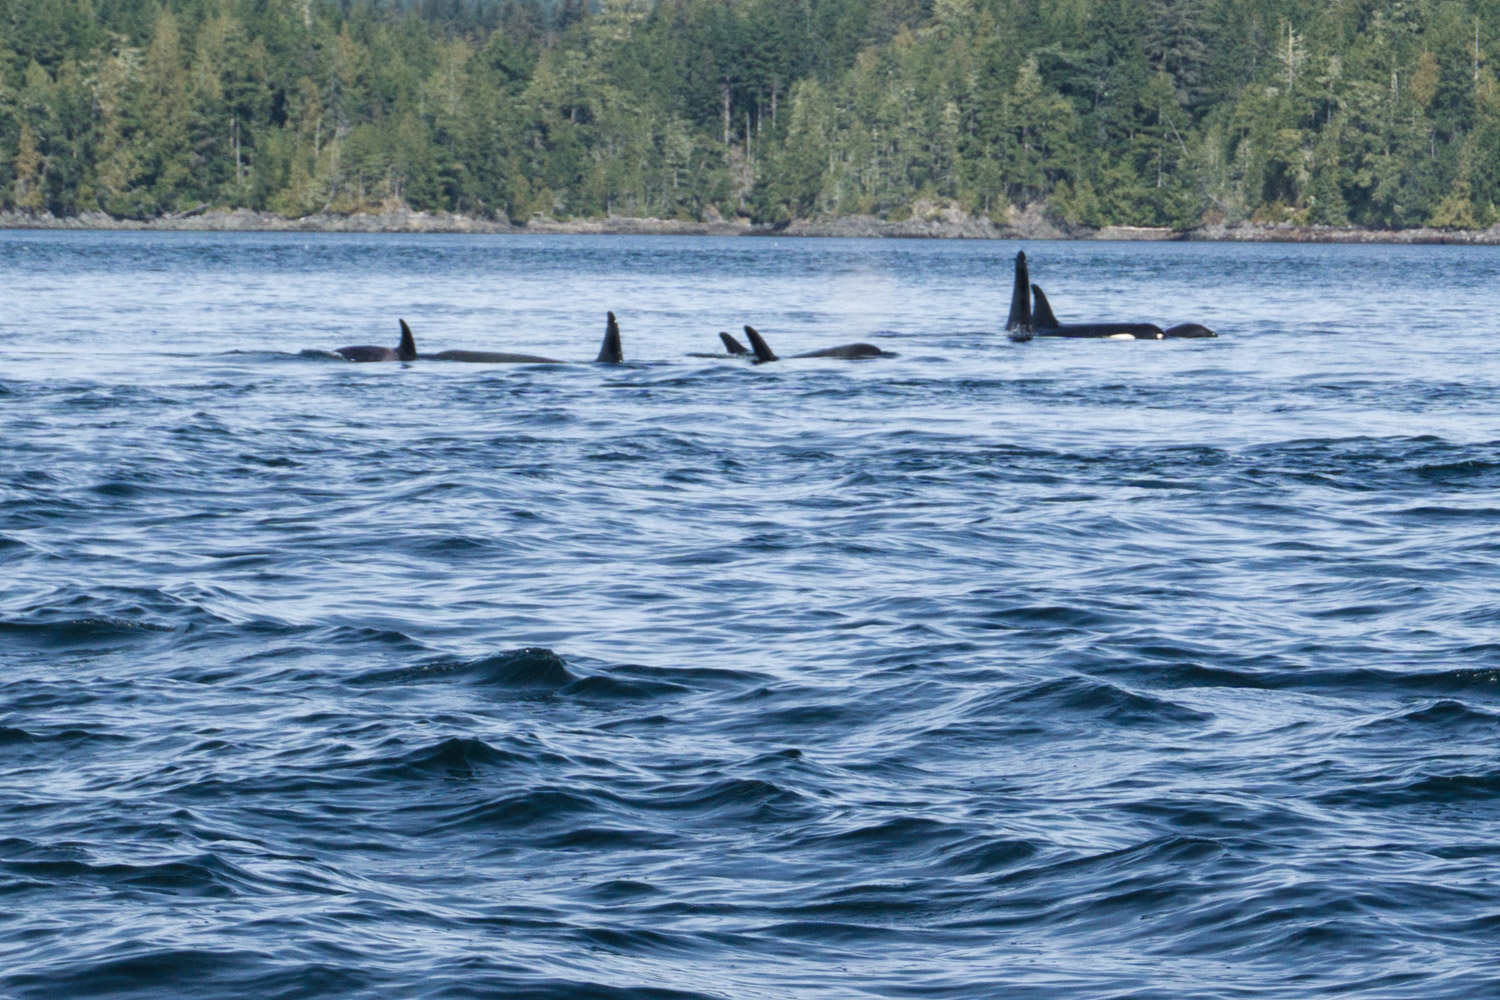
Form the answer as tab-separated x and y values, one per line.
1027	225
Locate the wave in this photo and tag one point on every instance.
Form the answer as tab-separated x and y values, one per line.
456	756
533	670
137	969
1376	791
16	737
1091	698
206	875
1445	717
71	632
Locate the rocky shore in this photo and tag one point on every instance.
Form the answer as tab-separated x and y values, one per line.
948	223
1249	233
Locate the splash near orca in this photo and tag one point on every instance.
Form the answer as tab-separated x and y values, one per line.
405	351
847	352
1031	316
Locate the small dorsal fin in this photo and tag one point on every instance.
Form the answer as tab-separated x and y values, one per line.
610	352
408	349
1041	311
733	346
763	352
1019	322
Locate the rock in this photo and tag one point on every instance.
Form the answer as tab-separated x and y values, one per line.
929	220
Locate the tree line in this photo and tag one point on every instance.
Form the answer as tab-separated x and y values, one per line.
1381	113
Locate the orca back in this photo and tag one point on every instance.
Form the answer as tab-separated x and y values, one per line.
491	358
1188	330
1104	331
367	352
849	352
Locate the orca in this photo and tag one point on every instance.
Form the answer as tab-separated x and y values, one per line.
1018	324
610	352
406	351
1044	324
848	352
1031	316
732	349
1188	331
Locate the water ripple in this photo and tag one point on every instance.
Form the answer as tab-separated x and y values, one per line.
1048	671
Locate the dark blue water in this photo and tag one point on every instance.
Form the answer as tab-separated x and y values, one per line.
1064	669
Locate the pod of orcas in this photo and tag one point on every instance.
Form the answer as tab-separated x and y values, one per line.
610	352
1030	316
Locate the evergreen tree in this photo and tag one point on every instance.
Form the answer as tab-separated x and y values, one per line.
1105	111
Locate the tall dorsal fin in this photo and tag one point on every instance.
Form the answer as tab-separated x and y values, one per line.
733	346
1019	323
1041	311
408	349
763	352
610	352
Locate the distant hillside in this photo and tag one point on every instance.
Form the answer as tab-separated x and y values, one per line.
1108	112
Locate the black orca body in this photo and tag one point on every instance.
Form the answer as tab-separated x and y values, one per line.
732	349
1031	316
1018	324
610	352
848	352
490	358
1188	331
406	351
1044	324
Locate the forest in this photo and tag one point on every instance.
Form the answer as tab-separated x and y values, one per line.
1104	112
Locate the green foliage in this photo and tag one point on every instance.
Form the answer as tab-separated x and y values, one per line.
1143	112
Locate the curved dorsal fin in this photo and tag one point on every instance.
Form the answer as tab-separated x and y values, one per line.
763	352
1041	312
408	349
733	346
610	352
1020	298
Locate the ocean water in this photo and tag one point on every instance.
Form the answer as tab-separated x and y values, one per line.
1054	670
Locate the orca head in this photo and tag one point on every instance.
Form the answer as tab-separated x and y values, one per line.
1018	325
733	346
610	352
763	352
1041	312
408	349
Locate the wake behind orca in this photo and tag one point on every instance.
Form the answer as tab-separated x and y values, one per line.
1028	320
